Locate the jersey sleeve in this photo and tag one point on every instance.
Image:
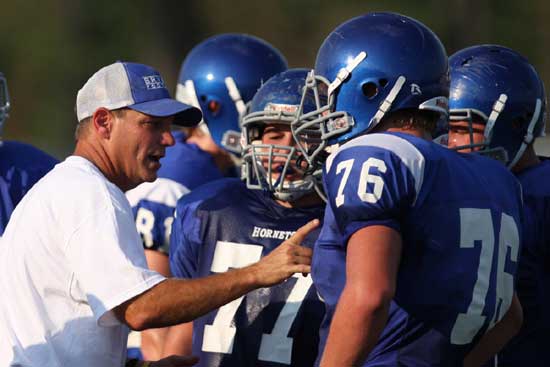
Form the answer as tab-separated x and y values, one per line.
372	185
184	241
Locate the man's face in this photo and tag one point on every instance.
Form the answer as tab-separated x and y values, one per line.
459	134
280	134
138	142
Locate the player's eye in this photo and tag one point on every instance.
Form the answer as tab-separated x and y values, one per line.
459	129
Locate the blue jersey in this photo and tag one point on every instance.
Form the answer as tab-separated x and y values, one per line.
21	166
530	346
184	168
224	225
453	211
189	165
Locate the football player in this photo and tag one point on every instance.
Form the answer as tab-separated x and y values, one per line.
417	255
498	107
219	75
21	165
229	223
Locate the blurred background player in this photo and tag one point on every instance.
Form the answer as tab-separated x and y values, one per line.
498	108
21	165
228	224
411	258
219	75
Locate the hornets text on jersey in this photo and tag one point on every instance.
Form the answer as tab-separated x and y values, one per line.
21	166
530	346
224	225
459	217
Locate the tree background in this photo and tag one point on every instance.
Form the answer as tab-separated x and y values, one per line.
49	48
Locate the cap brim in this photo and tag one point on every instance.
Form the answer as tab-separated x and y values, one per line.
184	115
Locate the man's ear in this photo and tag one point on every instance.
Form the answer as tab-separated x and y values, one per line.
103	121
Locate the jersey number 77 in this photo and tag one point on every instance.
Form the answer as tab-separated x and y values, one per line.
219	337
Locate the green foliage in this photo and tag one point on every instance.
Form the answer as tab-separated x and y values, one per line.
49	48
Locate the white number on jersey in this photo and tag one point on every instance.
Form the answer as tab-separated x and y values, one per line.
219	337
364	179
145	221
477	225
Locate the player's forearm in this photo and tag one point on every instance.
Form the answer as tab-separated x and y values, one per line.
355	329
175	301
496	338
179	340
152	343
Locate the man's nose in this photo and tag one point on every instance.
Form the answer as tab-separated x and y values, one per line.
168	139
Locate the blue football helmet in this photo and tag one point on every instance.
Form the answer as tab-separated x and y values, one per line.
4	102
504	91
367	67
220	76
280	169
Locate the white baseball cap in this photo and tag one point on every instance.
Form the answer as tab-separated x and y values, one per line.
135	86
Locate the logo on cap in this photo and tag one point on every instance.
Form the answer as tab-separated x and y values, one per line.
153	82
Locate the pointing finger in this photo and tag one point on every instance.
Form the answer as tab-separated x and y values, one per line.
302	232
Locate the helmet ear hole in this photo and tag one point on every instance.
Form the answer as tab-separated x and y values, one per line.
370	90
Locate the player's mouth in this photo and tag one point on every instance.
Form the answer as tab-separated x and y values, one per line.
155	159
290	174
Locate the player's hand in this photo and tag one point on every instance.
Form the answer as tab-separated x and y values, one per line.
288	258
175	361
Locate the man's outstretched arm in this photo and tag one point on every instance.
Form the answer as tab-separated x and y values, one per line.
174	301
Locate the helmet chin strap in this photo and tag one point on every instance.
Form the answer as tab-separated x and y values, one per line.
187	94
236	97
291	196
529	137
345	72
498	107
387	103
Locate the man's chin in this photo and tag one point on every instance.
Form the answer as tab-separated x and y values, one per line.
152	176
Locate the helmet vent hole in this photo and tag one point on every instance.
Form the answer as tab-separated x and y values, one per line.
203	98
370	90
467	61
383	83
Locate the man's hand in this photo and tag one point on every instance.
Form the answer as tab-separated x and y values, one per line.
174	301
288	258
175	361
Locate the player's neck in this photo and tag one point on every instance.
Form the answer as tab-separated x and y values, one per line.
305	201
418	132
528	159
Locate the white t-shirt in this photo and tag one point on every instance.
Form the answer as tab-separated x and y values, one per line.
69	255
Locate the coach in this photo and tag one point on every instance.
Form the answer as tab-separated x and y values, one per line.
73	275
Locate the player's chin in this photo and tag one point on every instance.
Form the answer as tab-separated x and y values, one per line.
149	173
